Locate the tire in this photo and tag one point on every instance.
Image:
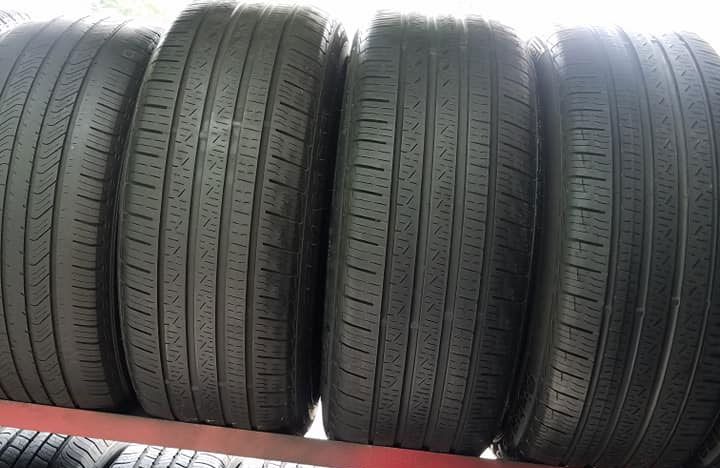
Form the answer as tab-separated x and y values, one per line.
223	226
30	449
621	365
426	300
8	18
66	94
141	456
145	456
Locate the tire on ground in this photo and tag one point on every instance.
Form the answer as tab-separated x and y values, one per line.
223	225
30	449
621	370
66	94
431	234
8	18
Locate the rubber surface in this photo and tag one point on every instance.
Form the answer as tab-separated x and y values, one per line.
30	449
142	456
223	223
431	234
622	367
9	18
66	93
145	456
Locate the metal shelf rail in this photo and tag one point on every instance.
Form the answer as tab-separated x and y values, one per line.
262	445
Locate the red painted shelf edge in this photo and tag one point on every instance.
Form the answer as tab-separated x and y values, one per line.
252	444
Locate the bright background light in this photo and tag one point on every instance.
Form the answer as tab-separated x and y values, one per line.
528	17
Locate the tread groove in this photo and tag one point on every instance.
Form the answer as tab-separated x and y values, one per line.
490	215
161	254
390	245
423	228
616	202
222	250
193	228
648	148
2	235
60	183
48	394
713	254
457	223
253	237
679	265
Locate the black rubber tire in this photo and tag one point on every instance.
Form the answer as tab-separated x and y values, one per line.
66	94
426	302
9	18
142	456
30	449
622	358
223	226
147	456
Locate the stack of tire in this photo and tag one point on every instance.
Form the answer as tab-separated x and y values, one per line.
493	243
